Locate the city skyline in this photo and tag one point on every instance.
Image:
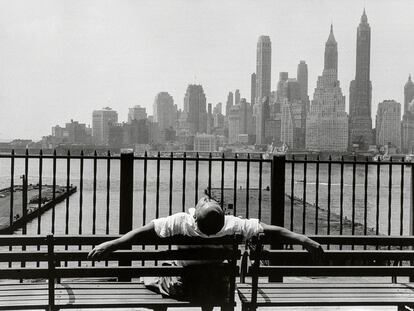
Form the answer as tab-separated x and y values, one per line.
54	85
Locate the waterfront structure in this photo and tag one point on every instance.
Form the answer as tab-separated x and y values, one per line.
388	124
137	113
360	90
101	121
327	121
205	142
407	124
165	112
195	109
229	103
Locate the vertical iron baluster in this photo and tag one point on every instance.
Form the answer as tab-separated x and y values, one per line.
80	192
196	178
80	198
305	166
67	191
157	194
26	174
317	196
39	203
108	188
260	189
389	196
341	199
366	197
144	195
11	196
209	174
171	183
95	168
247	184
184	181
378	197
402	198
292	191
11	188
222	181
353	195
328	229
54	192
235	185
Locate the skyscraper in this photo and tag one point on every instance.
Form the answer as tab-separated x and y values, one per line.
388	123
195	109
302	77
229	103
263	67
360	89
101	121
252	89
263	82
408	93
237	97
165	112
327	121
407	124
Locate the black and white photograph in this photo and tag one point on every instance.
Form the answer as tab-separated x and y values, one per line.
207	155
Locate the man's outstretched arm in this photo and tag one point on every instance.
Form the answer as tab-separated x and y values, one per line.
145	232
285	235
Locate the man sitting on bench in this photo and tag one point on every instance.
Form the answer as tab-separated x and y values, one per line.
206	220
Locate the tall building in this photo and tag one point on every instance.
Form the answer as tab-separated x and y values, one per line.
407	124
302	77
101	121
408	93
210	119
234	124
388	123
262	115
252	89
245	116
165	112
229	103
218	109
195	109
263	67
360	89
137	113
237	97
327	121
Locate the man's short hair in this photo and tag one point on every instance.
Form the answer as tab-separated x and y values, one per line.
211	219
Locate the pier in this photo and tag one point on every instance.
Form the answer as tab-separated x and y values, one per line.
29	207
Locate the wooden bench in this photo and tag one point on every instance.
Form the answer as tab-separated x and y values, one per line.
361	259
65	279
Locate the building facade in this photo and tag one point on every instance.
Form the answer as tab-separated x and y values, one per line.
407	125
360	90
195	109
388	124
165	112
137	113
101	121
327	121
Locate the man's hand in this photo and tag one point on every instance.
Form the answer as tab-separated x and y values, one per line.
315	250
99	251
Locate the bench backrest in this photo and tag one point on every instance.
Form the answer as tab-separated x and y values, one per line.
372	256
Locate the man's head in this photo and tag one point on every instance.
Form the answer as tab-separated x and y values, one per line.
209	216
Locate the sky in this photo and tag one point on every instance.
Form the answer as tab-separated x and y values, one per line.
61	59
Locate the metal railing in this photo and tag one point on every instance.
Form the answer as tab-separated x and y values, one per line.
118	192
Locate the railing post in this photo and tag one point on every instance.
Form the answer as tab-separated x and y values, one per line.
126	191
126	198
277	200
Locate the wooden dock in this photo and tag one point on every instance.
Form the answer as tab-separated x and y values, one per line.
21	216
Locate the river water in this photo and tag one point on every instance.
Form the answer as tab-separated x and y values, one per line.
400	194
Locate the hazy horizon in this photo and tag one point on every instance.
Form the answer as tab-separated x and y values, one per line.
61	59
